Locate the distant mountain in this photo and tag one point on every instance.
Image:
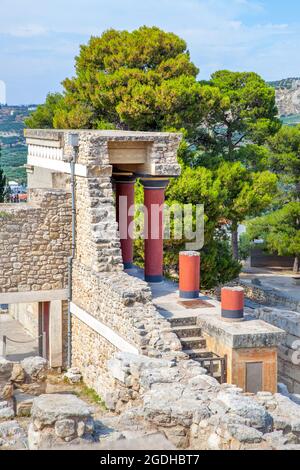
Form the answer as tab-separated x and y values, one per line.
288	98
285	83
13	146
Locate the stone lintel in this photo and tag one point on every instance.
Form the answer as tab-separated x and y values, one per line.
109	135
44	134
249	333
33	296
152	153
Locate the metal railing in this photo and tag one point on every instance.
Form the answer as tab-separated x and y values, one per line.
5	339
209	364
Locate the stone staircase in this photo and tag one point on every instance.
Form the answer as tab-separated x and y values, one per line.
194	345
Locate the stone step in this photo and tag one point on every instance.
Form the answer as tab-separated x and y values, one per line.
193	342
187	331
197	353
183	321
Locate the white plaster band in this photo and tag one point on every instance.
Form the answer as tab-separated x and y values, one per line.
103	330
56	165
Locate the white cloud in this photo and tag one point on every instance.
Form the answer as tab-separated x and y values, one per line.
27	31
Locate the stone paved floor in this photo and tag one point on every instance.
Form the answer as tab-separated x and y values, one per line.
27	347
166	296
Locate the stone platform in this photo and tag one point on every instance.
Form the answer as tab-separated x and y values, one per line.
245	347
165	297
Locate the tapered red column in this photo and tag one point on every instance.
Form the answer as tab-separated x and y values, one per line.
124	205
154	197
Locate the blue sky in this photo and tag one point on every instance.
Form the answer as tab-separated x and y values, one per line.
39	38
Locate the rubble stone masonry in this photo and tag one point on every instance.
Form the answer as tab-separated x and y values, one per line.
289	349
35	242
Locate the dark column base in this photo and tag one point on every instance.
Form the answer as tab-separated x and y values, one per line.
128	265
150	278
193	294
232	313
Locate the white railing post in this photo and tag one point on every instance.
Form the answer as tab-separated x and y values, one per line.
3	346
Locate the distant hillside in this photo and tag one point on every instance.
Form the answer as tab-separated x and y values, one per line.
13	148
288	99
286	83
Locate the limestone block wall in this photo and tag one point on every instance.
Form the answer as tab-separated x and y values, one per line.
194	411
123	304
97	240
289	349
268	296
107	299
116	303
90	352
35	242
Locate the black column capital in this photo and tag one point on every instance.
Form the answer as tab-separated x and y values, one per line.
155	183
123	178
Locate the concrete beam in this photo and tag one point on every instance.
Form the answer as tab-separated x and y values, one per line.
57	166
33	296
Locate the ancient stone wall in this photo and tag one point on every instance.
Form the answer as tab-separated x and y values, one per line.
194	411
289	349
97	240
123	304
35	242
108	298
268	296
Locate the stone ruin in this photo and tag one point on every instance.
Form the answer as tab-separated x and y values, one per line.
123	346
155	403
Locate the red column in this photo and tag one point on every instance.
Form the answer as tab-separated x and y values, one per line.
154	197
125	200
232	303
189	274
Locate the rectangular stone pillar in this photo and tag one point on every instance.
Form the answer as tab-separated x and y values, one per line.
250	349
55	334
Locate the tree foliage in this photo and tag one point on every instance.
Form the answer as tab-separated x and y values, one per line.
280	231
43	117
237	108
284	156
140	80
145	80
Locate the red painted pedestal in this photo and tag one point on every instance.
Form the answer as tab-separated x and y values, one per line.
154	197
232	303
189	274
125	200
